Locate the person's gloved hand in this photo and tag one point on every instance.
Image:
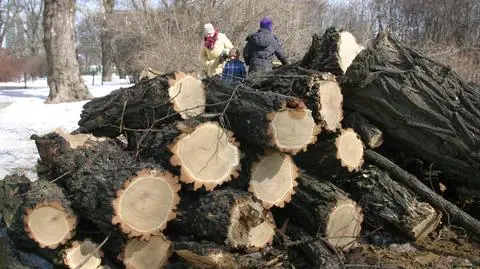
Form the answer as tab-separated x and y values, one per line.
223	56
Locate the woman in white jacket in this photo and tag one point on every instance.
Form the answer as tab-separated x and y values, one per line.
215	49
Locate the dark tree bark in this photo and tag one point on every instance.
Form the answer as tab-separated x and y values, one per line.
425	107
106	40
387	203
370	134
64	78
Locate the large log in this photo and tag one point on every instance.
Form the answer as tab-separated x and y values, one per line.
108	187
325	210
425	107
227	217
319	91
36	214
145	105
207	154
332	52
264	119
387	203
370	134
141	254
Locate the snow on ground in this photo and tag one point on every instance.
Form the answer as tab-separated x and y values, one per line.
23	113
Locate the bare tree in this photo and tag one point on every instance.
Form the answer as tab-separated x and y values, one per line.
106	39
8	9
63	71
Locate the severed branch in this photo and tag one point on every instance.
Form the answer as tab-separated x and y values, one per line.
457	215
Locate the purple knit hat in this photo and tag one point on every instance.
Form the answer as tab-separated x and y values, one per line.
266	23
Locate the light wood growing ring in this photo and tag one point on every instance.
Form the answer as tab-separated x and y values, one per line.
209	156
272	179
330	104
146	203
349	150
187	95
344	224
85	253
154	253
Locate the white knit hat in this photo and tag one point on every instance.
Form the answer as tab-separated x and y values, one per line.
208	29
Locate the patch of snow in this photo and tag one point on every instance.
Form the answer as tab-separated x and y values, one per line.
23	113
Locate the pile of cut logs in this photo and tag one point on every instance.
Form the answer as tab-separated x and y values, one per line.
288	168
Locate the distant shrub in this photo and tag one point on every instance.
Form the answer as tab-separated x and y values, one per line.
10	69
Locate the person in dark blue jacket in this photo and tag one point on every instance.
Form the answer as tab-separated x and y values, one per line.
261	47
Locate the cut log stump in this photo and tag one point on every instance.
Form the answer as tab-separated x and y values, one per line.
387	203
332	52
228	216
325	210
319	91
108	187
264	119
149	103
370	134
40	212
336	156
273	179
427	109
153	253
82	255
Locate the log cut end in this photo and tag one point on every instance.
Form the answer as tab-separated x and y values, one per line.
187	95
330	104
344	224
350	150
209	156
76	140
83	255
49	224
250	226
348	49
153	253
292	129
273	179
146	203
429	220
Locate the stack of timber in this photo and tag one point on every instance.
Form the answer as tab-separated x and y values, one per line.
278	172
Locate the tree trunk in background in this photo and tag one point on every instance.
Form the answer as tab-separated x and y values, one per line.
63	72
106	39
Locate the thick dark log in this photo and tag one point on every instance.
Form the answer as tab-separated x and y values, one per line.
228	216
107	186
145	105
316	250
332	52
325	210
335	156
386	203
207	154
319	91
425	107
37	214
456	215
264	119
370	134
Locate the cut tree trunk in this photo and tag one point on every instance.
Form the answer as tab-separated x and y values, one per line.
140	254
425	107
64	78
332	52
455	214
36	214
228	216
319	91
145	105
272	179
325	210
336	156
265	119
107	186
370	134
82	254
387	203
206	153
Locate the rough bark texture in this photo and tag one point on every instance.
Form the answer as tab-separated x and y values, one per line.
95	174
386	203
456	215
106	40
205	255
370	134
138	107
246	110
425	107
64	78
302	83
313	203
209	217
